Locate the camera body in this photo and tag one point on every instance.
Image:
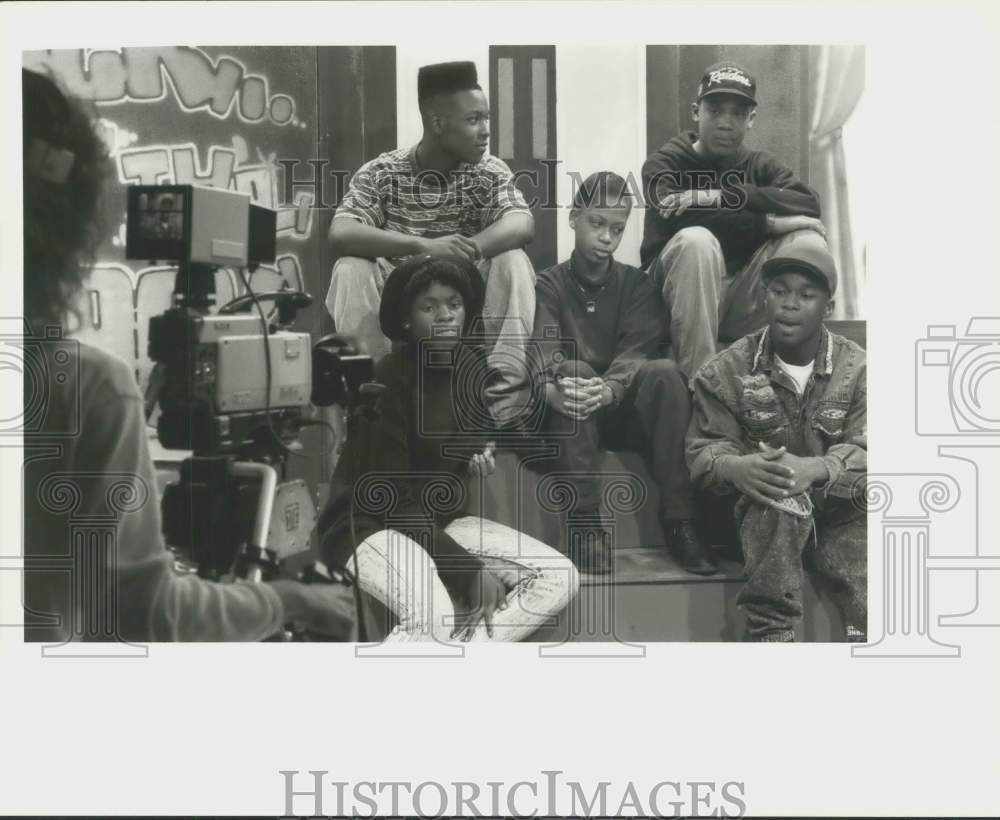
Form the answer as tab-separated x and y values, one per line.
207	226
223	376
957	380
215	386
231	384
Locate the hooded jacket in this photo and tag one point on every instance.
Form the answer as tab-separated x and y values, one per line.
754	184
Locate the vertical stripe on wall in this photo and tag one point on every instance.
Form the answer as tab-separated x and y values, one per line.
522	95
539	108
505	108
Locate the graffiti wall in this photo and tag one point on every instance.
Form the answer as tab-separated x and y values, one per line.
219	117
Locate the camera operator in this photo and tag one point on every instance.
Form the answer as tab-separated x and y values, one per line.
93	453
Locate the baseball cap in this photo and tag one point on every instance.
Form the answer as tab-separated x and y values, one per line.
728	78
804	252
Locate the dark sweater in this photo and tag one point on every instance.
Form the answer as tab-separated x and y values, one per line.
413	452
625	329
761	182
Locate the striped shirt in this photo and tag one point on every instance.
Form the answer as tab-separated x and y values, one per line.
391	192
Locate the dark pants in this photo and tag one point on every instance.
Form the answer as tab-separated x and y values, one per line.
777	545
651	419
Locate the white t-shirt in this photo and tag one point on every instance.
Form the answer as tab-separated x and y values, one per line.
798	373
89	479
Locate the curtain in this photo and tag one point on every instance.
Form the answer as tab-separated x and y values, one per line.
837	79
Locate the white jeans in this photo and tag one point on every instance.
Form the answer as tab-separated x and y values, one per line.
398	572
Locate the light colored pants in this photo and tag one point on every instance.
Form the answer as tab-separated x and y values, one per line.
704	305
508	316
398	572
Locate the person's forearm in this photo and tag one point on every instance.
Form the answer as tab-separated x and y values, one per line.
292	598
350	238
507	233
709	464
782	202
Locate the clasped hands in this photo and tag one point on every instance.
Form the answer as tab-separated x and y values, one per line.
773	473
577	397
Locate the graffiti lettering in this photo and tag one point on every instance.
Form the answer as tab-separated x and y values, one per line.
220	87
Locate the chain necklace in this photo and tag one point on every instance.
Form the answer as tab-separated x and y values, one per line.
590	296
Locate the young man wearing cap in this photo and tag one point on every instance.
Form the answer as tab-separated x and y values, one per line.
447	197
715	212
780	417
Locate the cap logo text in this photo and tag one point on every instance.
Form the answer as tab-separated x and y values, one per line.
728	75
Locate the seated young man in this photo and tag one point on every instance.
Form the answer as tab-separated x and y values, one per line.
717	211
447	197
606	385
781	418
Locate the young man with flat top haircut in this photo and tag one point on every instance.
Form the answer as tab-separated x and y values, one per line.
780	418
608	385
716	212
447	197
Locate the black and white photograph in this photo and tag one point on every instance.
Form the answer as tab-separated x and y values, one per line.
426	356
481	367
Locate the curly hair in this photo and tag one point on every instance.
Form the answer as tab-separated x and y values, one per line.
62	218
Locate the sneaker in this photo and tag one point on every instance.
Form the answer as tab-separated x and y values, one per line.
687	548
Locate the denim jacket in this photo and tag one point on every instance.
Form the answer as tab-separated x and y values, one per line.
742	397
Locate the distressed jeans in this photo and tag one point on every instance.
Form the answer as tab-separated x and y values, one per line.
704	305
508	317
402	575
778	545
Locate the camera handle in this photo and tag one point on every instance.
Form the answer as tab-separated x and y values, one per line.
286	301
256	560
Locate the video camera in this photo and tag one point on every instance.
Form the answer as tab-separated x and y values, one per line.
233	384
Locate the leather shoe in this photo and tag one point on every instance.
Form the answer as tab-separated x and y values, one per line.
687	548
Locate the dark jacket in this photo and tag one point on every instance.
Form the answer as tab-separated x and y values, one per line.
625	329
406	467
741	398
755	181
